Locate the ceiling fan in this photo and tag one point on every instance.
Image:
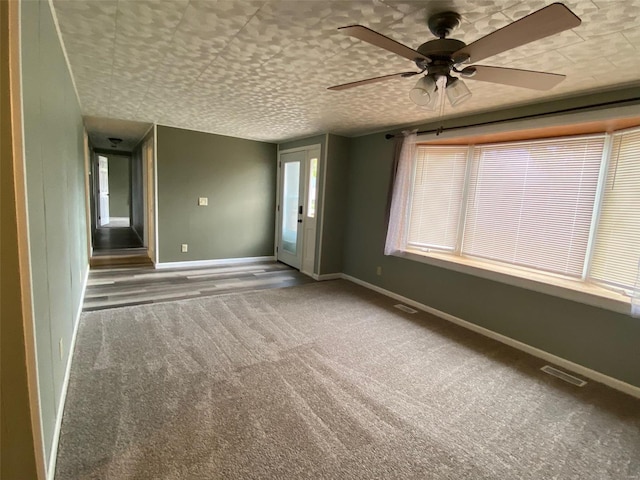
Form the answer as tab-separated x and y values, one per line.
438	59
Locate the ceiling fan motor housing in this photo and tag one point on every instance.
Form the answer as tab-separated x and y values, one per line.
439	52
442	47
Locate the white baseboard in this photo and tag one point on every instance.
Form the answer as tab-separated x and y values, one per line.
327	276
51	470
536	352
214	263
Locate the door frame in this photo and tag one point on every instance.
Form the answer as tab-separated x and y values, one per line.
150	188
278	214
100	208
94	197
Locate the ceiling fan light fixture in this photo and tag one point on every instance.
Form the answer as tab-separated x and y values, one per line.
115	141
457	91
435	100
423	92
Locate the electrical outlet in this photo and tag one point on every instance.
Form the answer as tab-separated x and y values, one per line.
203	201
61	349
379	270
184	248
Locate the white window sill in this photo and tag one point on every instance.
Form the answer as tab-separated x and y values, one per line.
577	291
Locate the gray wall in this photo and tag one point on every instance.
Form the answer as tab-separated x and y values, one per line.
54	157
239	178
599	339
137	191
119	186
17	453
335	201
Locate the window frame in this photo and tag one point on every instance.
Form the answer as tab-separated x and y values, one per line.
583	289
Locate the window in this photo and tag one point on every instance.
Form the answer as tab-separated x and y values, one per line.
530	203
566	206
617	243
437	195
312	187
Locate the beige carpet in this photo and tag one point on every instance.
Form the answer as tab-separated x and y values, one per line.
325	381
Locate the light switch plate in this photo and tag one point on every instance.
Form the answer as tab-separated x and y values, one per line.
184	248
203	201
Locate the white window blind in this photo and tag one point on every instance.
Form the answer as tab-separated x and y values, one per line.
531	203
617	244
438	188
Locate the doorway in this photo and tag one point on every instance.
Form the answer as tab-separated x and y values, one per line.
114	191
297	207
114	187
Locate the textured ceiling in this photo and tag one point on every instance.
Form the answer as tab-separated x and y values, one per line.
260	69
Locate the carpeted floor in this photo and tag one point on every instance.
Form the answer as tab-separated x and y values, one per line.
325	381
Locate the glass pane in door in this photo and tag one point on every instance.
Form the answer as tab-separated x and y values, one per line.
312	188
290	205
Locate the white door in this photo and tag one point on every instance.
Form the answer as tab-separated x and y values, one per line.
291	204
297	207
103	190
310	219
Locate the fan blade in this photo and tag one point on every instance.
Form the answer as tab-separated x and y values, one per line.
514	77
344	86
547	21
379	40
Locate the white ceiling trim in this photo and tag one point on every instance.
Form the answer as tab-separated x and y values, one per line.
64	50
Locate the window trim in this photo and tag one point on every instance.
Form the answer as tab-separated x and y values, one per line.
597	205
556	285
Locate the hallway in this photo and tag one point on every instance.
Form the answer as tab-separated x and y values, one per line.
115	238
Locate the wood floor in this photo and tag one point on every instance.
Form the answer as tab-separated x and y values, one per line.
115	238
119	287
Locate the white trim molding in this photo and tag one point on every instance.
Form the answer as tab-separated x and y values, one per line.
574	290
64	50
156	240
277	212
214	263
327	276
51	469
536	352
18	166
304	148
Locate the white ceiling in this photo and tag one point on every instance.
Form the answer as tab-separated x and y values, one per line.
260	69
